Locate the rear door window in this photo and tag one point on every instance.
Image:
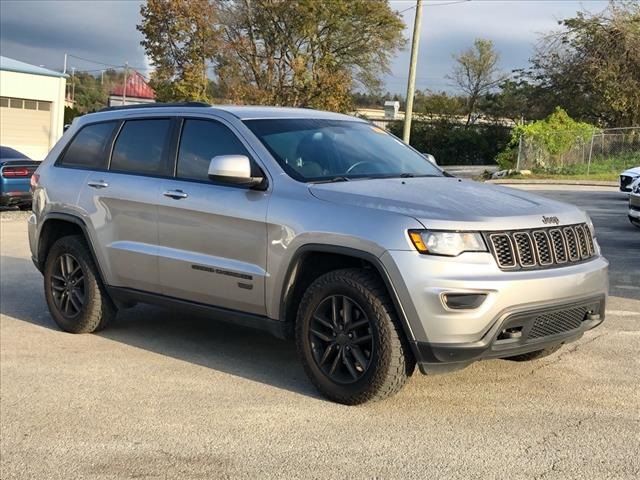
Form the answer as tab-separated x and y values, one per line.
141	147
90	147
200	141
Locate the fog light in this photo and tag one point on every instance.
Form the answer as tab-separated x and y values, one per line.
463	301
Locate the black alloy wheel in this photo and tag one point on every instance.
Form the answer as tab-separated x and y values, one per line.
67	285
341	339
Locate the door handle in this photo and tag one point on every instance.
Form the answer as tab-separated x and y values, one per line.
98	184
175	194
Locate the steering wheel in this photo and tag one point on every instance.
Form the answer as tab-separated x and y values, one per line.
358	164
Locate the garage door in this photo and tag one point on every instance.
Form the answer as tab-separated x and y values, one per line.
25	125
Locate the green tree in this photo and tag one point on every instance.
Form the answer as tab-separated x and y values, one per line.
591	67
305	52
437	105
180	37
476	73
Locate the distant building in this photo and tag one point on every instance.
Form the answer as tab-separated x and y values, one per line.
391	109
31	107
136	90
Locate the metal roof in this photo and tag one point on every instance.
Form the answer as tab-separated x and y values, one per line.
11	65
137	87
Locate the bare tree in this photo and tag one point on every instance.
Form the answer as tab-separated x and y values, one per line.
476	73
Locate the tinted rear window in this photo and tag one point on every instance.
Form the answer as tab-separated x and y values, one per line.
140	147
89	148
201	140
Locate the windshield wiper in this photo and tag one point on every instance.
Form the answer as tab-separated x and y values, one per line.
334	179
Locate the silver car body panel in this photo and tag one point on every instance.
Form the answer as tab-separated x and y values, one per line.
233	247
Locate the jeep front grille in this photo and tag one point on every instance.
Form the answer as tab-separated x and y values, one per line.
542	247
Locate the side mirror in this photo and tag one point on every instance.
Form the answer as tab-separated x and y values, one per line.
234	169
430	157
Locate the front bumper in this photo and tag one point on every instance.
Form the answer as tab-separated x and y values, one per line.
520	331
442	335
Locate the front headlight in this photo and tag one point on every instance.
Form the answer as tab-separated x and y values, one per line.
450	244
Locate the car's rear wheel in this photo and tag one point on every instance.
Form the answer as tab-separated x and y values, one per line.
634	221
349	339
527	357
74	292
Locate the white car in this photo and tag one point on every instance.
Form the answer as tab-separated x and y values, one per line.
627	177
634	202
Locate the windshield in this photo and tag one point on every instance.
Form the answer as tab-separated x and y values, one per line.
312	150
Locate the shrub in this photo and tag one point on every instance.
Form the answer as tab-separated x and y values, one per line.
455	144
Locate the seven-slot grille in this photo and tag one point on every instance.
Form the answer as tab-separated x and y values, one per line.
541	248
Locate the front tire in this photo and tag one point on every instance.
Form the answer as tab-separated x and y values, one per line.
349	340
74	292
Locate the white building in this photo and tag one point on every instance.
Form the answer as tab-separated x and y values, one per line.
31	107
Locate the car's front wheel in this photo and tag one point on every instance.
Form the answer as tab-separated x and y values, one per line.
349	339
74	292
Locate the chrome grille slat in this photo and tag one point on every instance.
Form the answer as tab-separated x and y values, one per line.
524	249
503	248
541	248
572	243
559	245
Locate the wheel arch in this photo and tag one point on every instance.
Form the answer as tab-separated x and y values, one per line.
332	257
57	225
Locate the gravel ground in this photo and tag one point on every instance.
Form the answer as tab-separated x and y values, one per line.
160	395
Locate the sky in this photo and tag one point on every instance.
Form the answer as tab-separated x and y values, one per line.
104	32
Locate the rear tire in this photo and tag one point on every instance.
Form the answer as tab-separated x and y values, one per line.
349	339
634	221
77	300
527	357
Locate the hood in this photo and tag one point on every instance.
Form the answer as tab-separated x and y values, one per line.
451	203
632	172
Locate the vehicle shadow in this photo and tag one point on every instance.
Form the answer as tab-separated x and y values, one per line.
224	347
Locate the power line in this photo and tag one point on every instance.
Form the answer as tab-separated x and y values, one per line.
435	5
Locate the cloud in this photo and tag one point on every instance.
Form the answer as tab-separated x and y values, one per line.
40	32
514	27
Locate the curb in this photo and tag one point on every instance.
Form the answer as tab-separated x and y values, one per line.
586	183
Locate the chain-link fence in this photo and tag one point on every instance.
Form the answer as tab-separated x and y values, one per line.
576	153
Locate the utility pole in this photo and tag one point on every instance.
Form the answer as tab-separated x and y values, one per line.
411	84
124	85
101	77
64	69
73	86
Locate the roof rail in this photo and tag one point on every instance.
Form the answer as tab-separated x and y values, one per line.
154	105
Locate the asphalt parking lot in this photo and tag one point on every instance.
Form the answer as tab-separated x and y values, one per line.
161	395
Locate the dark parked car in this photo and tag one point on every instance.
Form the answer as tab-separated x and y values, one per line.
15	178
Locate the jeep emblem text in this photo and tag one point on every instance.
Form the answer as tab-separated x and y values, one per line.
548	220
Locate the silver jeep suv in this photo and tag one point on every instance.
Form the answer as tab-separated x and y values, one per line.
314	226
